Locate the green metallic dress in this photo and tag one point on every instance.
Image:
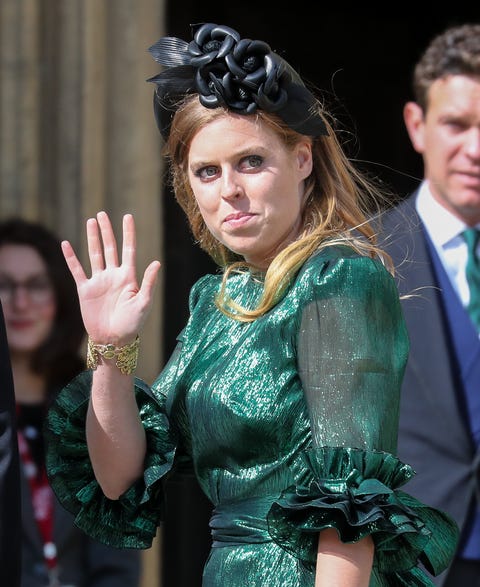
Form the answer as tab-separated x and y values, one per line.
290	423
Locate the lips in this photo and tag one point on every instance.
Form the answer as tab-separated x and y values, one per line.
237	216
238	219
18	324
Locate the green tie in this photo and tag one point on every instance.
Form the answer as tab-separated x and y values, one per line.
471	236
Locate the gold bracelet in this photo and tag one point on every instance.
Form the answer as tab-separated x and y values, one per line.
126	356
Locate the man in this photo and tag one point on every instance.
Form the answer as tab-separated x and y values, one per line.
10	520
440	410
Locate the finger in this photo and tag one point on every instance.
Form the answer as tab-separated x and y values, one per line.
129	248
108	238
150	278
95	249
73	263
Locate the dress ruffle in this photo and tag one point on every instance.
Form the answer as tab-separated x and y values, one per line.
132	520
355	491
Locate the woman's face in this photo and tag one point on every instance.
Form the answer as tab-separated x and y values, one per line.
248	186
27	296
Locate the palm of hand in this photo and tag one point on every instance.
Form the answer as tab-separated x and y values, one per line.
113	306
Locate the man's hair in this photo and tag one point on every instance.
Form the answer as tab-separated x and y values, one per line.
456	51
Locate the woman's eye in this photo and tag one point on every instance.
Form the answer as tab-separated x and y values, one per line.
206	172
253	161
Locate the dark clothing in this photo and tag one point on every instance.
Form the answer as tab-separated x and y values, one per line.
82	561
10	527
434	433
464	573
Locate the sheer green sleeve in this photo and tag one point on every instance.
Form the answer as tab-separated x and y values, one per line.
352	351
132	520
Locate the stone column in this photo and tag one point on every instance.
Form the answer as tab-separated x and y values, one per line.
77	132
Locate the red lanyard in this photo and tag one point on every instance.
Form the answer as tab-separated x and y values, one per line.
42	501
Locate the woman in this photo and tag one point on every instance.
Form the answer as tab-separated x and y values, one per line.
45	332
283	390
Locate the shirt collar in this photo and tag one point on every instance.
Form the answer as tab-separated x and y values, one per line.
442	226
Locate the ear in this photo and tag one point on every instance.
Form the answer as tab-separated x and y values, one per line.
414	119
304	159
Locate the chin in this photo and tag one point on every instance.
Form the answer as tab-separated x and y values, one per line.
22	346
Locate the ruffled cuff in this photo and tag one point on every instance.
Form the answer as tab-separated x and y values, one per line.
355	492
132	520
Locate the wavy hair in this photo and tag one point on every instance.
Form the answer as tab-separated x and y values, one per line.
337	206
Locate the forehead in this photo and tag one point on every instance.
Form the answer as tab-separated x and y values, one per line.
456	93
232	132
21	261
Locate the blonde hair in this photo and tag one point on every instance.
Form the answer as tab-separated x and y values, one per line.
337	204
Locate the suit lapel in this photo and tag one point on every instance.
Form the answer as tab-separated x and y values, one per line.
429	358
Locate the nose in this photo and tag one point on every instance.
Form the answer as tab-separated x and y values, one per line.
230	188
473	143
20	297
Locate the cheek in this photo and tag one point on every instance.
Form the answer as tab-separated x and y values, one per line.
442	143
207	202
207	210
437	153
287	199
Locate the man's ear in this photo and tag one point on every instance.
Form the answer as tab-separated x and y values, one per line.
414	119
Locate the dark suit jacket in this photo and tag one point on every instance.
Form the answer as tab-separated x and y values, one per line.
83	562
434	436
10	528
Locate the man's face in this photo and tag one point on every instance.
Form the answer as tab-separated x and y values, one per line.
447	135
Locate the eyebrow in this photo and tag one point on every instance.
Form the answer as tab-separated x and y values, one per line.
244	152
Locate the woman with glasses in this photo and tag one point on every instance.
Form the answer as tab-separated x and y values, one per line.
45	333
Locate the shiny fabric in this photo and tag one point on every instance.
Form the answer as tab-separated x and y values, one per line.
290	423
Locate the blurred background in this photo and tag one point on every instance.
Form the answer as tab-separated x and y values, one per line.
77	135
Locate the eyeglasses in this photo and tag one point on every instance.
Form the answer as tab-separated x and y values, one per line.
38	289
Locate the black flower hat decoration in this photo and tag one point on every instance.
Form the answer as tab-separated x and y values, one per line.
226	70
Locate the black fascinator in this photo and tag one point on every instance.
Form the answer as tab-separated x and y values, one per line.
226	70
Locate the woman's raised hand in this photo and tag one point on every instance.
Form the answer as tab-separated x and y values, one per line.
113	306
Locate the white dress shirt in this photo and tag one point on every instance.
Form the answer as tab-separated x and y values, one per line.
445	231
